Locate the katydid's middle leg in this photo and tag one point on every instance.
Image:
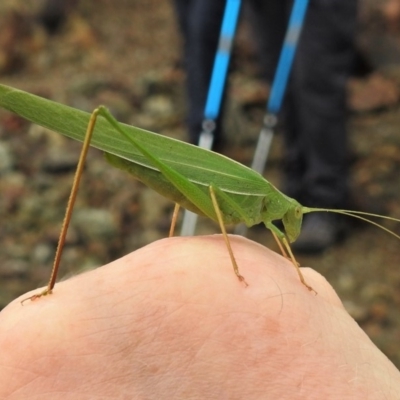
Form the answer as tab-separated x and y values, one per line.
226	238
173	220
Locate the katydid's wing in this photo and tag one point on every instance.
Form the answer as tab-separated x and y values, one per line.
155	180
197	165
188	189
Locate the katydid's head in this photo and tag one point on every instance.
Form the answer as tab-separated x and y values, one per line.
292	220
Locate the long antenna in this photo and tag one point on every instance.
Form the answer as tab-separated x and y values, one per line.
362	215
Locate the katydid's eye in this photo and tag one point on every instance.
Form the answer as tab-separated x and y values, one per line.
297	212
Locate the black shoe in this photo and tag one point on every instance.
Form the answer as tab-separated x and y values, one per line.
319	231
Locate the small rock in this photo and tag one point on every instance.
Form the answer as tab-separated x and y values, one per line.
379	312
16	268
374	93
42	253
375	290
347	282
158	106
95	223
6	158
12	189
60	161
359	313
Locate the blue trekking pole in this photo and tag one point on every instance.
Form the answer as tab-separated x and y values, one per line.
278	90
279	84
215	91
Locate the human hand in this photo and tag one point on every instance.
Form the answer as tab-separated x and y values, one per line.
172	321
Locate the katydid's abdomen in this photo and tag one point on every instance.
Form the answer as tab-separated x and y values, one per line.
252	206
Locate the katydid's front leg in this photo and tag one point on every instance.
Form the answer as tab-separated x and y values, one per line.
279	243
280	236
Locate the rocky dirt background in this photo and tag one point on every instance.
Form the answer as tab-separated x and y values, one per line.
126	54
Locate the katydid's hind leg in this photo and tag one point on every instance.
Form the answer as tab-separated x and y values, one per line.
226	238
69	209
281	238
174	219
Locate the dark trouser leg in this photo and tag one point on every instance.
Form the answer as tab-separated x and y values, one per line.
200	23
268	20
315	111
54	12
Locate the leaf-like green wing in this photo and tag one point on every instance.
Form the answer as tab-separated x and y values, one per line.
200	166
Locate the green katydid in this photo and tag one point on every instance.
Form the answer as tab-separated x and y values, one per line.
199	180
